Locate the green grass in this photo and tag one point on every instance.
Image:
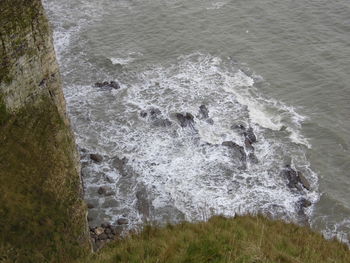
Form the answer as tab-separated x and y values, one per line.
42	217
242	239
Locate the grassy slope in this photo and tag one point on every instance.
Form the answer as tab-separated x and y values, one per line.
42	217
243	239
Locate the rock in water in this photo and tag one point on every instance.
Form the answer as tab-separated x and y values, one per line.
249	134
96	157
304	182
114	85
203	112
185	119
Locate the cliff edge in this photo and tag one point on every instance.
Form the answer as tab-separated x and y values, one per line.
42	215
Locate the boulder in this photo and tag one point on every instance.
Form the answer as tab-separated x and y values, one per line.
304	182
97	158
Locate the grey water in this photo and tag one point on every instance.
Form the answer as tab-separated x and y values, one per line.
281	67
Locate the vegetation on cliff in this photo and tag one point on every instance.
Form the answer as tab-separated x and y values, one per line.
243	239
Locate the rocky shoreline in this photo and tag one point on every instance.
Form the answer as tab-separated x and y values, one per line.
243	155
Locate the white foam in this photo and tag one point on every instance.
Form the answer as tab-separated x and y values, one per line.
175	165
121	61
216	5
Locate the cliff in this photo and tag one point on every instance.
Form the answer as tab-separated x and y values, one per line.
42	215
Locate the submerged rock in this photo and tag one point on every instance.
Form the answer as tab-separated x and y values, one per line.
238	149
155	116
185	120
203	112
120	165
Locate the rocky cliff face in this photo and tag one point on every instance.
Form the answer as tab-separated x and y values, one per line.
42	215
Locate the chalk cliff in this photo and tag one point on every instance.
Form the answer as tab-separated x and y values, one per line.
42	215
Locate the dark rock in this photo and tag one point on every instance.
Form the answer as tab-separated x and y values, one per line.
249	134
122	221
114	85
185	119
154	113
203	112
305	203
143	114
292	177
110	236
96	157
108	231
304	182
99	84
